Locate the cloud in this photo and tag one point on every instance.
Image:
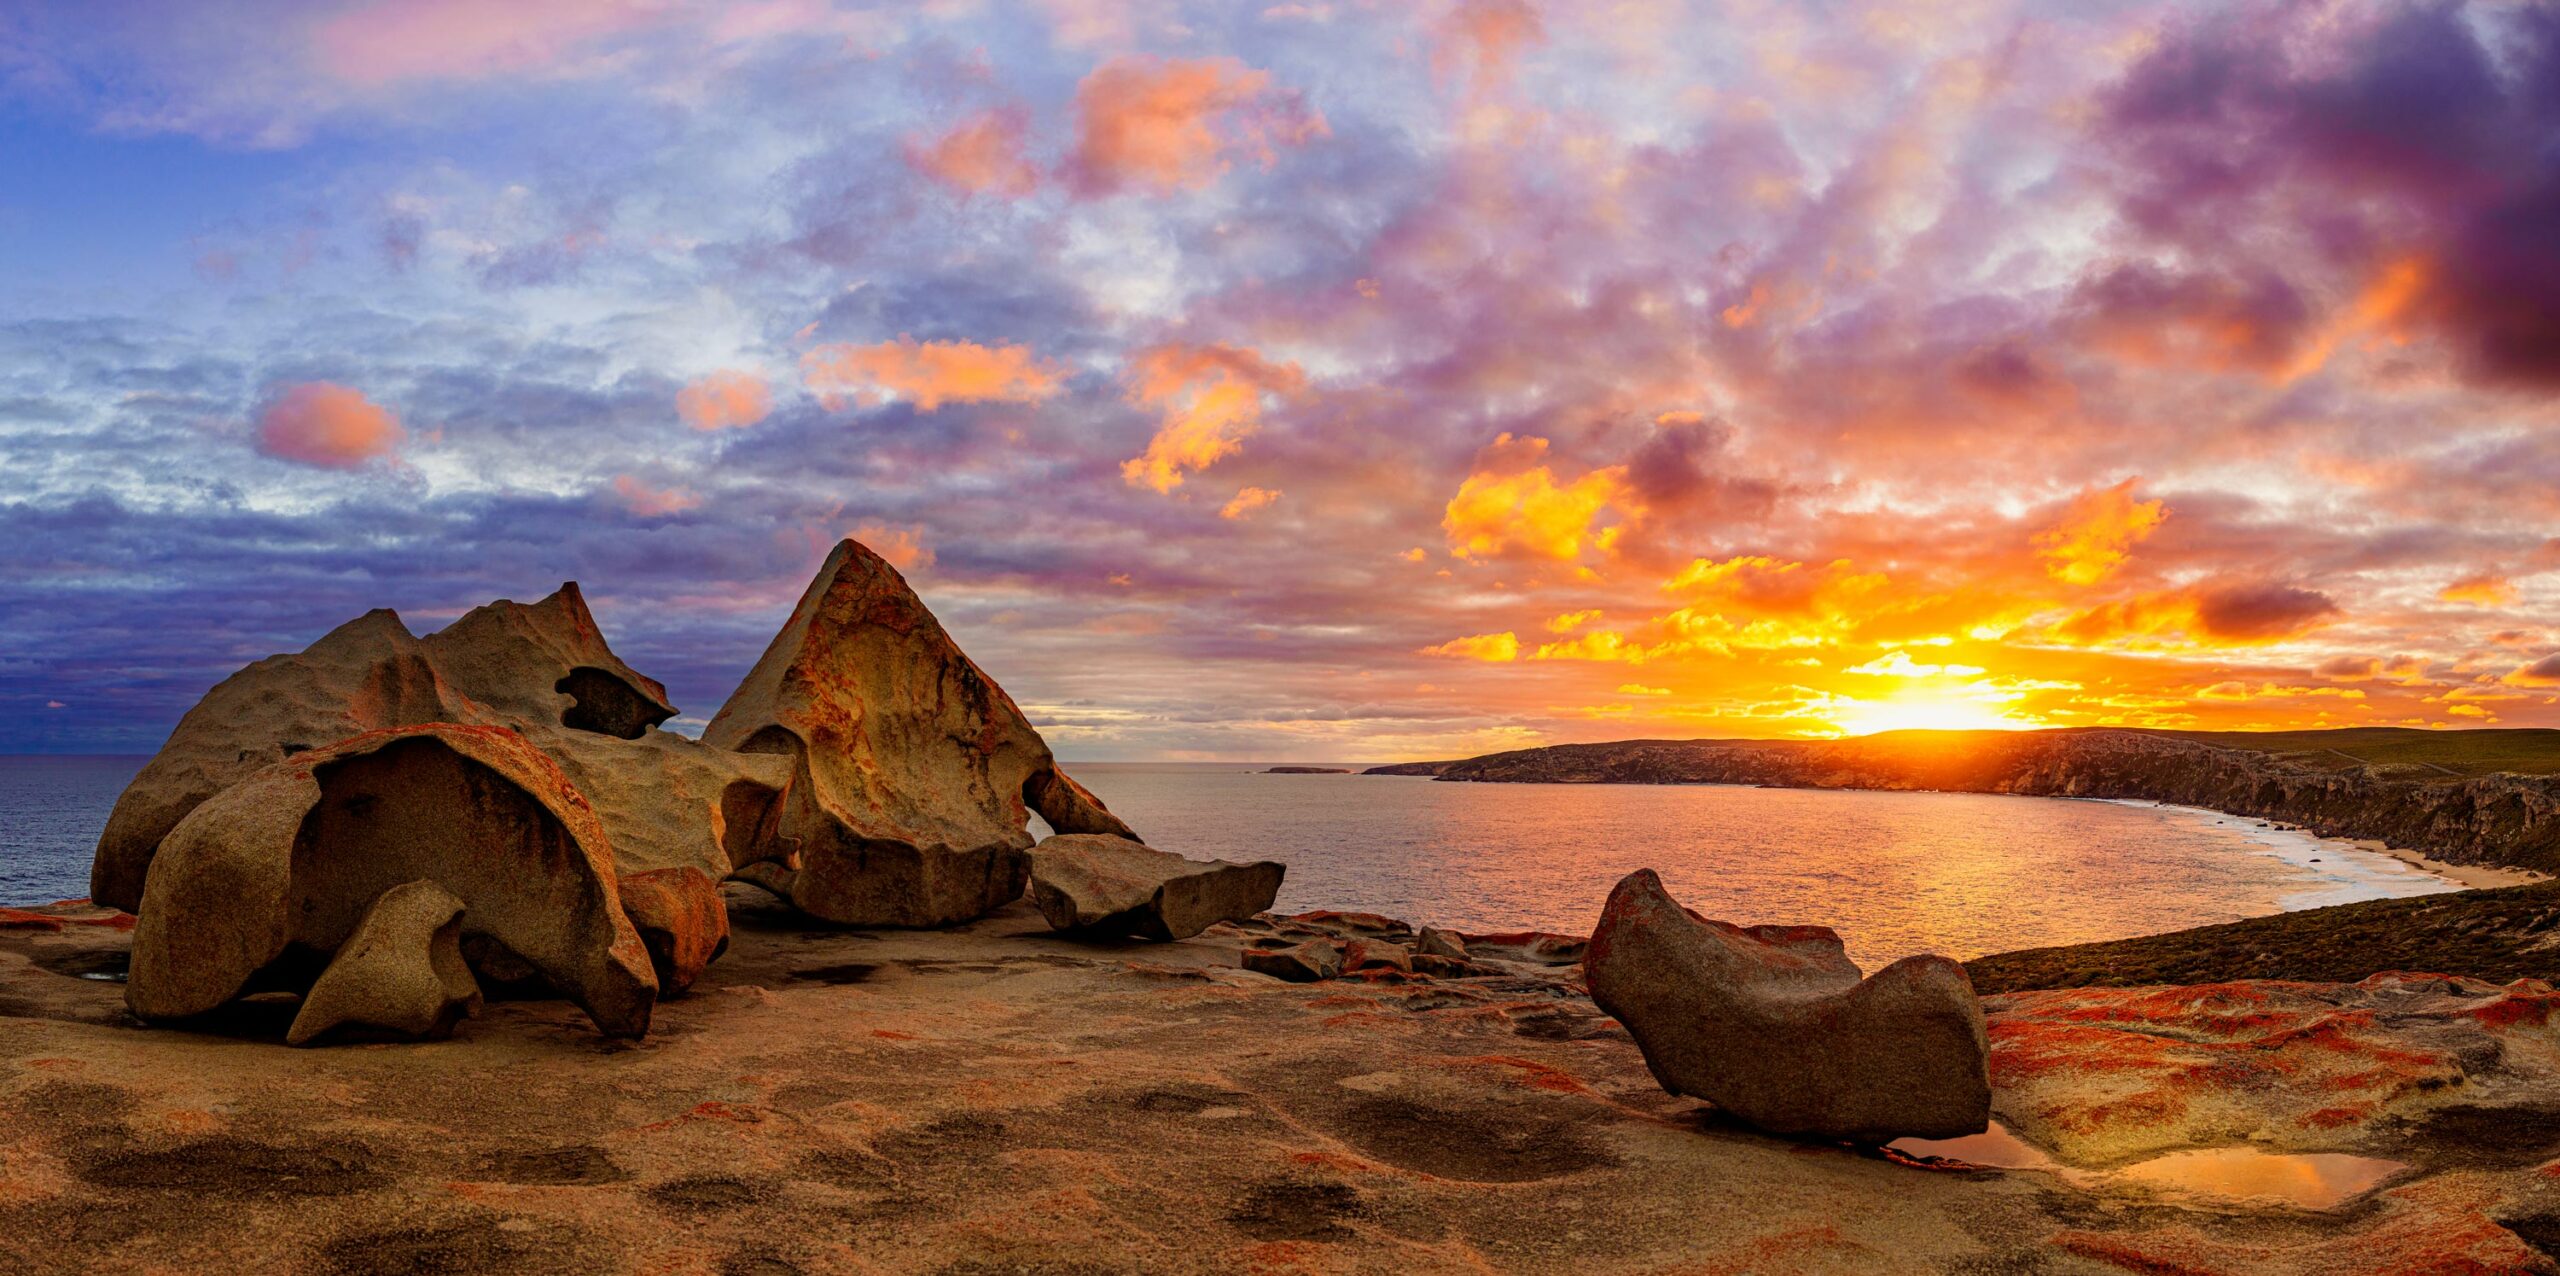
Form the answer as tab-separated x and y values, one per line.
1514	504
2097	531
1493	648
2349	668
1572	620
2480	589
1169	125
981	155
2261	611
2541	673
902	547
1485	36
724	400
1212	400
397	40
328	425
928	374
653	502
1246	501
1639	689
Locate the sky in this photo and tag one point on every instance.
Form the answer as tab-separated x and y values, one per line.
1337	380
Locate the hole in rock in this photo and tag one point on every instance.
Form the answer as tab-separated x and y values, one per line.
607	705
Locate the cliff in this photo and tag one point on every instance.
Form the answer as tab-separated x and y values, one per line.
2500	819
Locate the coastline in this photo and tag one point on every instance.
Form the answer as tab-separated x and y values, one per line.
2302	848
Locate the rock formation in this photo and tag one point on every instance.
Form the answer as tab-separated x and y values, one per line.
866	769
285	863
400	972
1104	885
1775	1025
1300	963
912	773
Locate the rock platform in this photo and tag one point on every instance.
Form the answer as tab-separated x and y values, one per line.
998	1098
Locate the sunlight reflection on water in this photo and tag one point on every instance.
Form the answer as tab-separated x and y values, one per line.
1895	873
2232	1176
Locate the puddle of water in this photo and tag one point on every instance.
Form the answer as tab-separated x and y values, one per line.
2222	1176
2302	1180
1994	1148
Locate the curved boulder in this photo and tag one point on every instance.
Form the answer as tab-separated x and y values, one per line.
1775	1025
401	973
286	863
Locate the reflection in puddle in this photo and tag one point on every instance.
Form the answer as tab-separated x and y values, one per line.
2222	1176
2303	1180
1994	1148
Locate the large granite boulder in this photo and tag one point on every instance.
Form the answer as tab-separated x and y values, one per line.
366	674
283	866
1097	884
913	774
400	974
1775	1025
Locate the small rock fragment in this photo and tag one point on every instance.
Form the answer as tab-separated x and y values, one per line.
1375	954
1299	963
1099	884
400	972
1436	942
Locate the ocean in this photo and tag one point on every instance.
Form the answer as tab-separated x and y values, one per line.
1895	873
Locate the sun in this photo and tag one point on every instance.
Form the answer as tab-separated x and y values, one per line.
1928	711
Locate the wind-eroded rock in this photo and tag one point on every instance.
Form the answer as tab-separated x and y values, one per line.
1773	1023
913	774
400	973
1106	885
291	858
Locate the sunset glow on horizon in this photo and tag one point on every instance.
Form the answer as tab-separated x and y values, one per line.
1339	380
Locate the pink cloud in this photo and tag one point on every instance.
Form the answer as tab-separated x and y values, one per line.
399	40
653	502
981	155
1169	125
329	425
1488	35
724	400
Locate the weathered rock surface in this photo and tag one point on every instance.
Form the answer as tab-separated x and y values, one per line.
913	774
288	861
1775	1025
1436	942
1106	885
1001	1098
399	974
366	674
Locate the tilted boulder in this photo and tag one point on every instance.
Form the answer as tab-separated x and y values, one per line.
913	774
366	674
399	974
1774	1024
1301	963
1098	884
284	865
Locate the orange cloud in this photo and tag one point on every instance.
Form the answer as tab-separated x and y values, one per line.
1494	648
1211	397
1571	621
2097	532
928	373
2541	673
2484	589
724	400
903	547
1168	125
329	425
652	502
981	155
2234	613
1639	689
1514	504
1247	501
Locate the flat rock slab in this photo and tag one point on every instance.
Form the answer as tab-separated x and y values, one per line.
1776	1025
1099	884
1002	1098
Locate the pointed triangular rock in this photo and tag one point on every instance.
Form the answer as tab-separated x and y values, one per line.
913	772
